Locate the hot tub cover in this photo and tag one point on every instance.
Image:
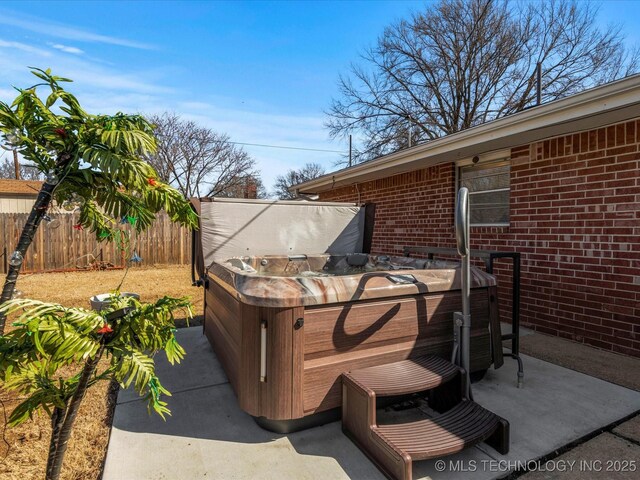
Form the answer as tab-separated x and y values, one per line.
239	227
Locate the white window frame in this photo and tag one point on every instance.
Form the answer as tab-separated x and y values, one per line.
497	157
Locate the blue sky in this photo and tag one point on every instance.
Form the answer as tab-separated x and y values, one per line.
263	72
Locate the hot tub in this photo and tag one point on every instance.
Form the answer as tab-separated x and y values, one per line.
285	327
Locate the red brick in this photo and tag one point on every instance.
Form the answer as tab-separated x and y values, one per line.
575	210
620	134
593	140
630	133
602	138
611	136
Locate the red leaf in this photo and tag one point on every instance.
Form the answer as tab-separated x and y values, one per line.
61	131
77	227
152	182
105	329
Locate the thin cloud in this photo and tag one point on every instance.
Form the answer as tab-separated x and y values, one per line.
23	47
88	76
67	32
67	49
298	130
110	80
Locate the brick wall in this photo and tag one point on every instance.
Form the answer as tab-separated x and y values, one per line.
575	218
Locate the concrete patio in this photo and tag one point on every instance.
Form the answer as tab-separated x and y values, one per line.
208	436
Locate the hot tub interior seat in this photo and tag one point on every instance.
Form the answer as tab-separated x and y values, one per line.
331	265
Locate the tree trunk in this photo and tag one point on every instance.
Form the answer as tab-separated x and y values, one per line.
29	231
26	237
56	423
72	411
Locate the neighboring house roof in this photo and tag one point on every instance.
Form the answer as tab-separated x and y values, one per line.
604	105
28	188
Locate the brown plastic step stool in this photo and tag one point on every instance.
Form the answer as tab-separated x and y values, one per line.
393	448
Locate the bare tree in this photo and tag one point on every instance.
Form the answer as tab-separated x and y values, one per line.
465	62
196	160
8	170
293	177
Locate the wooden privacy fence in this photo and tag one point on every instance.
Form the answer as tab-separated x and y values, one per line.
59	246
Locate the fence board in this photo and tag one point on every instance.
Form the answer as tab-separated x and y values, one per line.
64	247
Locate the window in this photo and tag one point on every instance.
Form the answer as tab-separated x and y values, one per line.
488	185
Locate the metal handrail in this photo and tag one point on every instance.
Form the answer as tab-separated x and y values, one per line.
464	321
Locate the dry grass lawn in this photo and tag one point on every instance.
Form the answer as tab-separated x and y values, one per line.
24	454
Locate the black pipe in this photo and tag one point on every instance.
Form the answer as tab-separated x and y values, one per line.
515	341
538	83
194	282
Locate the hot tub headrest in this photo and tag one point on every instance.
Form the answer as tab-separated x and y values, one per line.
238	227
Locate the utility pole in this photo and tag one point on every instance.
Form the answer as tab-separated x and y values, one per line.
16	163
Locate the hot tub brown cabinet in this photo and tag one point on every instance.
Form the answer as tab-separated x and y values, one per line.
285	362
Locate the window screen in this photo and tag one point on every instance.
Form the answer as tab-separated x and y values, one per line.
488	186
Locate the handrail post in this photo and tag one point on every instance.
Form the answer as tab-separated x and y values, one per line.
462	240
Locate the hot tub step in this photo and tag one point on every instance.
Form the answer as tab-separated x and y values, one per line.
393	448
464	425
404	377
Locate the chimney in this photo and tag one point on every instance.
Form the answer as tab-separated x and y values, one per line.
250	189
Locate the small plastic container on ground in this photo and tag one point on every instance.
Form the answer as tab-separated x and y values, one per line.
103	300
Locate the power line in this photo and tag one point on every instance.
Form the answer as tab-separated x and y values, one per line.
286	148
